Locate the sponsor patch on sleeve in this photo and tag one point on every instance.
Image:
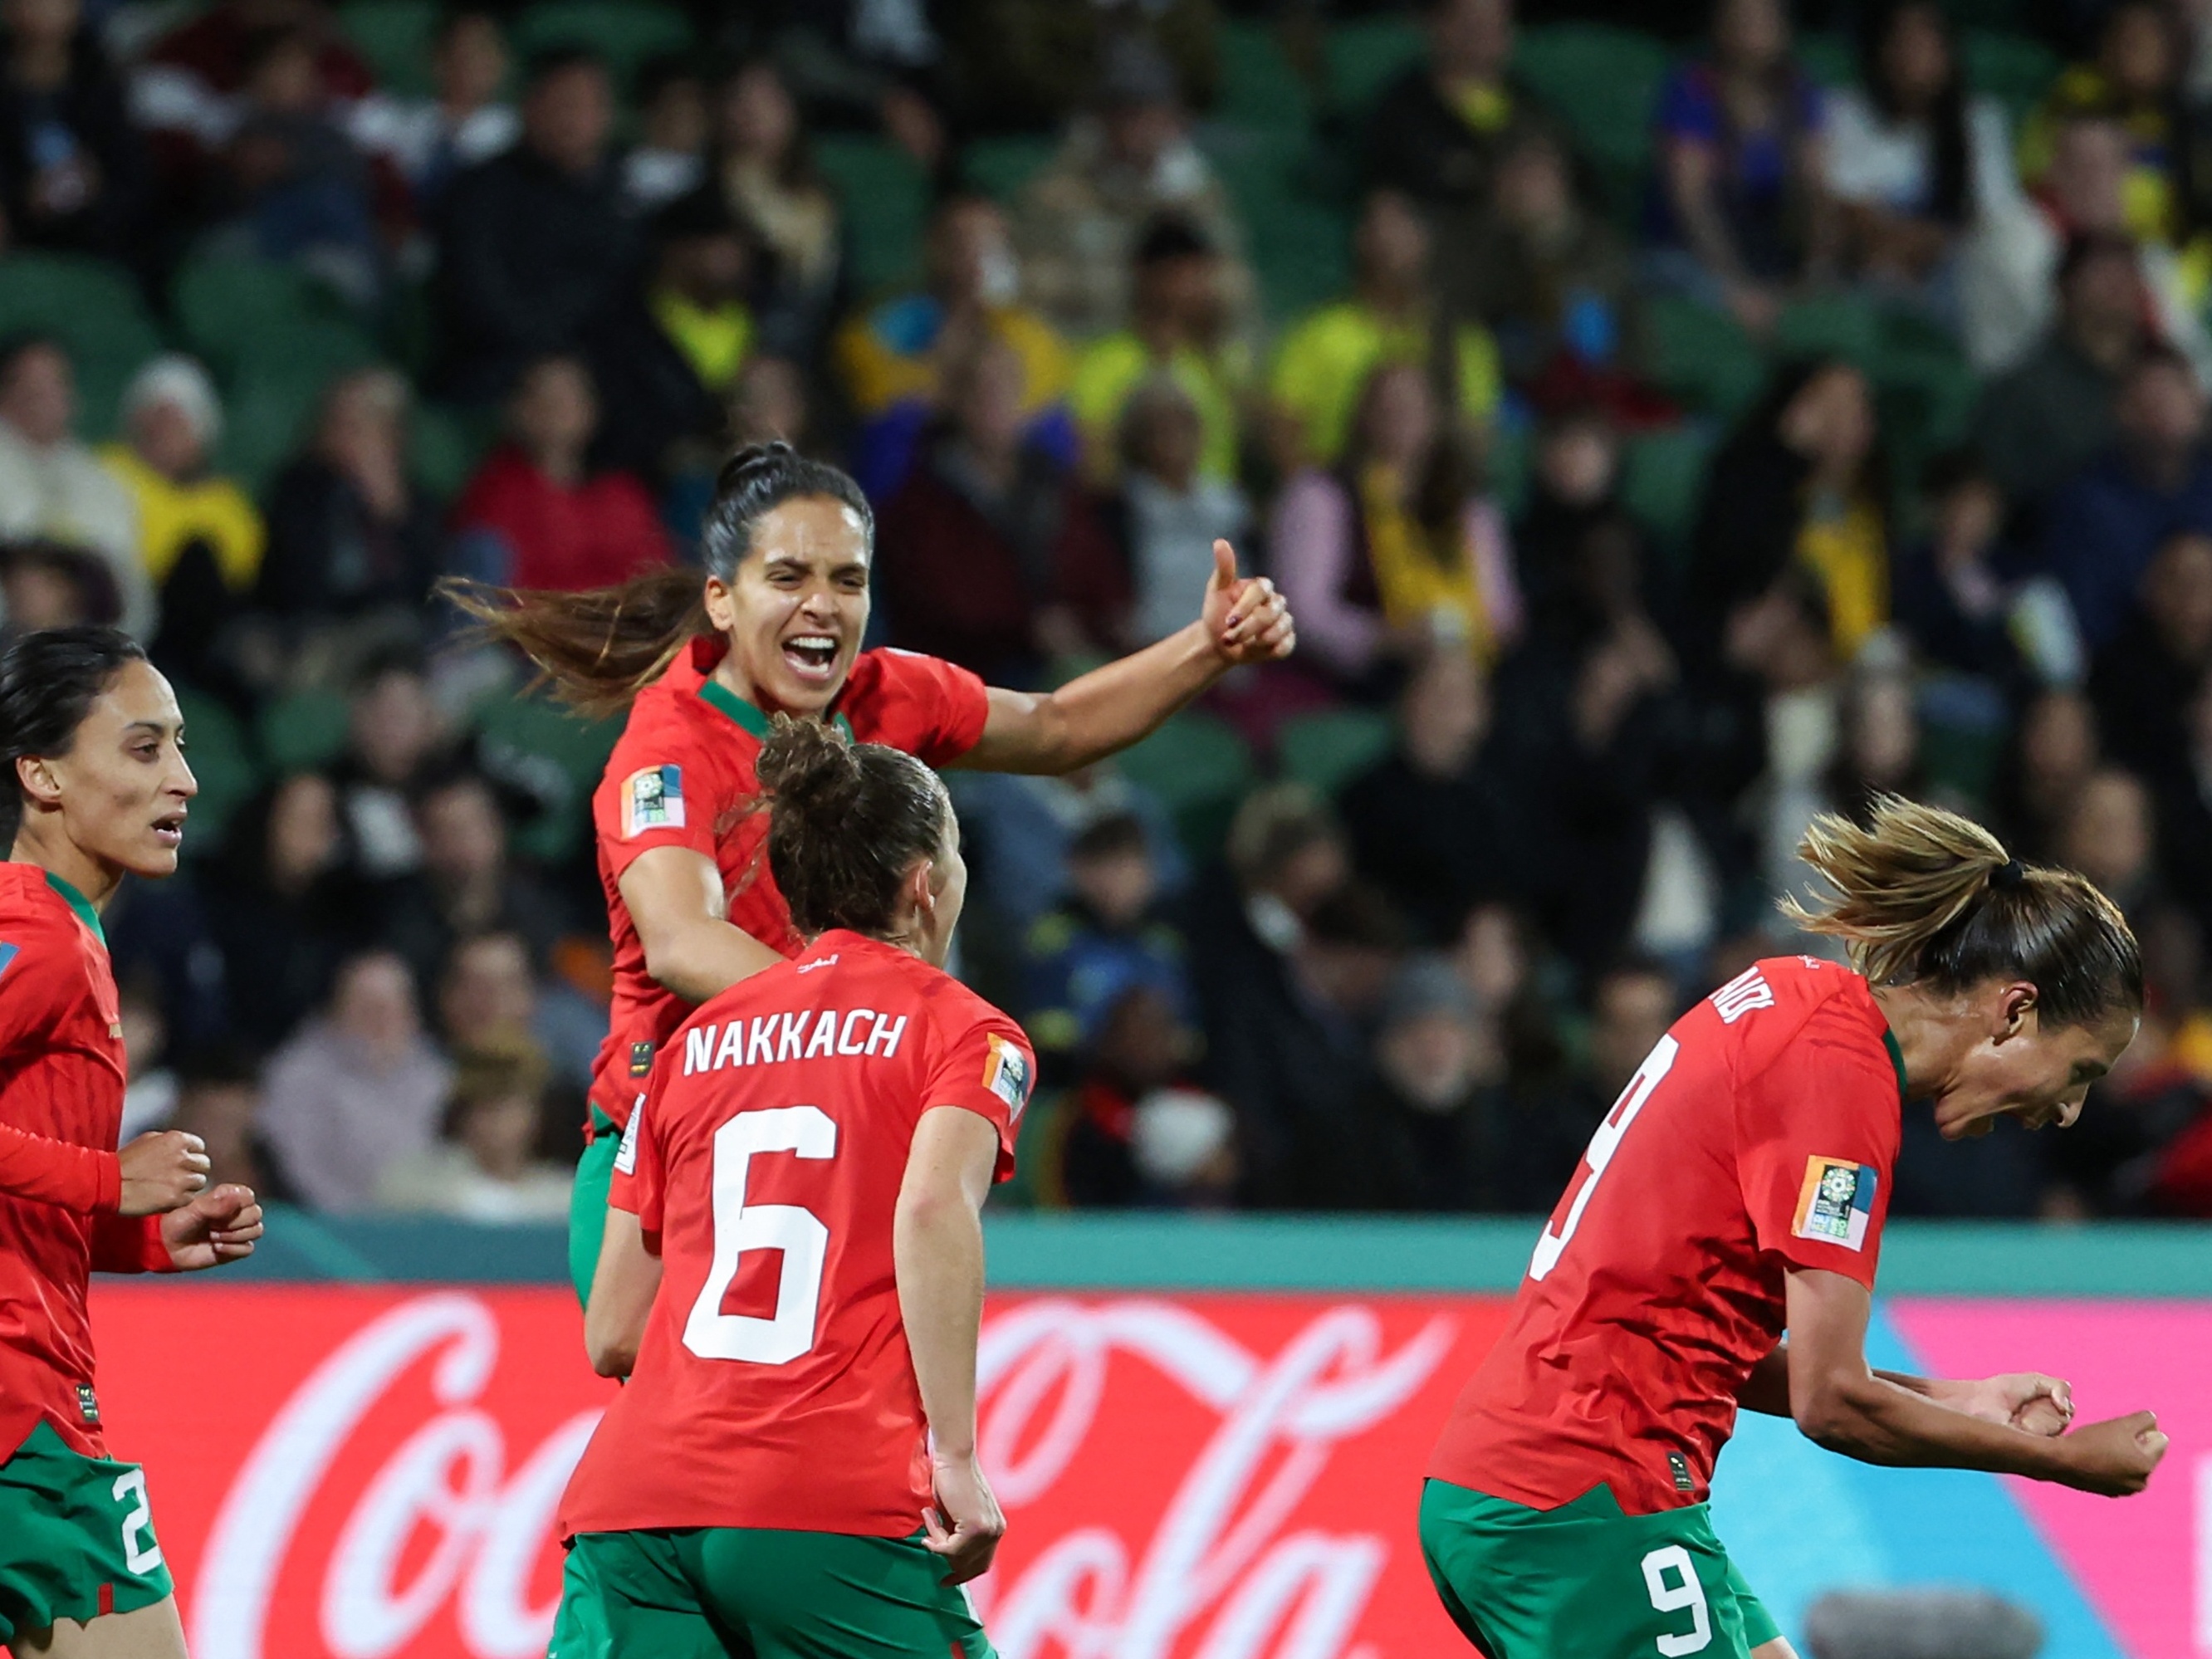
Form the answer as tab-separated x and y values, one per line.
1836	1204
7	955
653	799
1006	1074
626	1154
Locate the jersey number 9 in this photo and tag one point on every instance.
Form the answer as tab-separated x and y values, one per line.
1603	1145
804	1131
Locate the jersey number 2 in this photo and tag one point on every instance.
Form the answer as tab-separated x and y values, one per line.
1603	1145
804	1131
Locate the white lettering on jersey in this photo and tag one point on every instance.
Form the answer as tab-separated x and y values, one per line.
733	1051
845	1043
760	1042
1741	995
888	1032
699	1049
791	1037
768	1039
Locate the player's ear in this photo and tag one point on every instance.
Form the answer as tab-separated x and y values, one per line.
2015	1009
35	774
721	605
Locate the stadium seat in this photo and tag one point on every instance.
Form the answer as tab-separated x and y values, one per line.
303	730
1002	166
1505	463
1847	325
222	760
1260	86
557	754
444	445
886	200
1300	243
226	304
270	400
2012	68
1663	477
1200	769
625	33
1830	59
1701	356
395	36
1604	83
95	310
1362	57
1327	750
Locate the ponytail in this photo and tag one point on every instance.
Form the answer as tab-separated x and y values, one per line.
598	649
847	822
1925	897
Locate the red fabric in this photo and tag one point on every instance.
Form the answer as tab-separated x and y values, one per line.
788	1398
594	535
61	1098
930	709
1669	1286
213	47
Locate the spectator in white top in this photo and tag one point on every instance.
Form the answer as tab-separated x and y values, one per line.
465	120
669	158
1912	160
53	487
487	1168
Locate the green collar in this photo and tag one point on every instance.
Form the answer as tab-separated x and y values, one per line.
78	902
718	697
1896	1059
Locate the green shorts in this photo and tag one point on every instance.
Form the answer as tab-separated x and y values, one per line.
587	1203
77	1538
1586	1579
747	1593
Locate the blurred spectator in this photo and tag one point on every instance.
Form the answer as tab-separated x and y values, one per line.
469	882
72	167
1137	1133
358	1090
1435	825
2109	835
188	88
1573	503
533	242
487	994
861	63
219	1100
1401	550
1877	742
892	360
290	177
394	734
992	556
1436	132
1550	1118
53	487
768	404
536	515
1391	316
485	1167
1744	213
2184	802
1177	328
2052	754
1109	935
1799	483
1554	281
151	1096
2047	418
1422	1136
1912	158
45	585
1783	640
1019	831
1080	223
199	536
280	908
770	182
1163	513
1021	65
2145	680
1285	854
463	122
350	531
1952	595
669	160
2133	81
2102	529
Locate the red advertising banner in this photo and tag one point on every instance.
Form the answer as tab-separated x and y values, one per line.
370	1473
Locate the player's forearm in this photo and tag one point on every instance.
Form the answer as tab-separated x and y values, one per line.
1766	1390
700	959
1876	1420
937	1245
1104	712
82	1179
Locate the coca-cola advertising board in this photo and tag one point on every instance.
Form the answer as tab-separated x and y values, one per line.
372	1473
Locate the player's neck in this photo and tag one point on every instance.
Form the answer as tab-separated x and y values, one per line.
1930	1040
65	861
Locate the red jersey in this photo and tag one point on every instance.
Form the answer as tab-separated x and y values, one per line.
61	1108
682	775
1759	1135
774	1386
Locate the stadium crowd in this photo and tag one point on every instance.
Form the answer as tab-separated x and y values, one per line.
1660	440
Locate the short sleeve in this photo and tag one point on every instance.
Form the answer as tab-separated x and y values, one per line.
989	1071
638	1183
934	709
1817	1136
658	791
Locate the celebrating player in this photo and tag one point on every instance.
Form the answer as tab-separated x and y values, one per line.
791	1473
1736	1189
92	738
776	628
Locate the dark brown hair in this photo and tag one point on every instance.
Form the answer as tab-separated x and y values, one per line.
848	821
598	649
1925	897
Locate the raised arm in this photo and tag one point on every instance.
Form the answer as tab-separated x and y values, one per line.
675	899
1243	620
1841	1404
937	1246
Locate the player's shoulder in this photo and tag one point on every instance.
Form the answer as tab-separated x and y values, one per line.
882	679
952	1011
44	929
1795	1006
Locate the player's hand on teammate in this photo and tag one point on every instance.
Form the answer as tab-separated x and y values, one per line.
2028	1401
1245	617
219	1226
967	1524
162	1170
2114	1458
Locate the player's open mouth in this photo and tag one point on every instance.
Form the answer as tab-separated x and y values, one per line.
812	656
170	830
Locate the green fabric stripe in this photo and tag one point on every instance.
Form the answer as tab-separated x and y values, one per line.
78	902
1896	1059
720	697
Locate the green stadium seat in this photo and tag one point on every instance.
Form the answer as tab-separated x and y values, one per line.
1199	768
1002	166
1327	750
1662	476
396	37
2012	68
225	302
1604	83
95	310
301	731
1363	57
625	33
444	445
1701	356
273	394
1260	86
535	734
1506	462
1830	59
886	200
1300	243
1848	326
223	762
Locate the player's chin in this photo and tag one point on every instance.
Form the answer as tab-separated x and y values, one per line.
154	855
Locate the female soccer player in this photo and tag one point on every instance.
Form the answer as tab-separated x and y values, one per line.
94	743
1737	1189
776	628
791	1473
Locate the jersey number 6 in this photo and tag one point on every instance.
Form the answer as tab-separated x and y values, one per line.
1603	1145
804	1131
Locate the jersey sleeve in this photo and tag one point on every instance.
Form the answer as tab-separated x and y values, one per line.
637	1185
130	1245
1817	1136
37	978
659	791
988	1071
934	709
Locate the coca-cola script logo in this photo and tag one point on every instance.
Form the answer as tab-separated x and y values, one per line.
1194	1478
